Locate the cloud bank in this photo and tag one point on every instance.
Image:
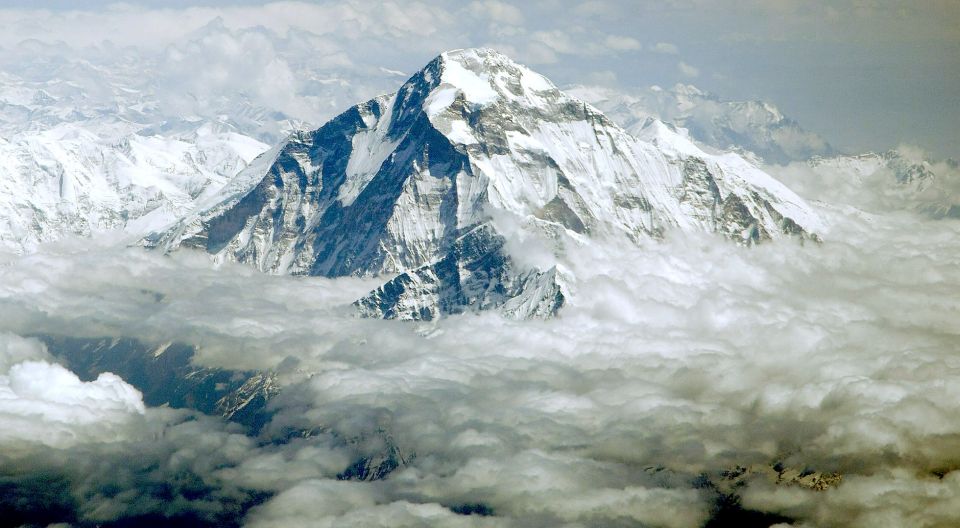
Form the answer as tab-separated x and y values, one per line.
674	364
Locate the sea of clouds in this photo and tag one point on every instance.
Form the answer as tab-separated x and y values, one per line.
673	363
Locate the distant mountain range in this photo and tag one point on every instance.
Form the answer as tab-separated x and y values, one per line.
99	140
68	180
748	126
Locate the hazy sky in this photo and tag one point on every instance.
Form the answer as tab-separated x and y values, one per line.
867	74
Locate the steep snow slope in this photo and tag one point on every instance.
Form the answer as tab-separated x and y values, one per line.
752	126
453	179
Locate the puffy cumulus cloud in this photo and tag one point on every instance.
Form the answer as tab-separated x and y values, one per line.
542	488
44	403
47	403
76	276
89	452
673	363
15	349
164	472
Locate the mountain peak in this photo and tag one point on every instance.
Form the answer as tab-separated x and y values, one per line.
480	61
668	138
464	55
440	182
481	76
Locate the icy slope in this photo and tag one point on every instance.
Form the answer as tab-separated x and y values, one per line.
439	181
68	180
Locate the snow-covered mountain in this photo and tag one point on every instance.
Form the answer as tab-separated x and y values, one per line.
97	141
466	184
111	138
752	126
916	173
898	179
67	180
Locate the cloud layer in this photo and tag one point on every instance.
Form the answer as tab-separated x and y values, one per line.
673	364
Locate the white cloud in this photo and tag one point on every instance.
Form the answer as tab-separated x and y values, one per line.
44	403
621	43
688	70
497	11
869	182
405	35
559	41
690	354
596	8
123	24
666	48
539	53
15	349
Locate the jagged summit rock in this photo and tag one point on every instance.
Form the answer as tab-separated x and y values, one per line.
433	182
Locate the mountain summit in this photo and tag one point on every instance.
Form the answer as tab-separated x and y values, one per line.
436	182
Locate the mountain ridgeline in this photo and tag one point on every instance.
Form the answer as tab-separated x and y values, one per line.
434	185
756	127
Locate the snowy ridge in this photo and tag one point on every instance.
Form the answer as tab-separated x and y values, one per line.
755	127
411	183
69	181
901	179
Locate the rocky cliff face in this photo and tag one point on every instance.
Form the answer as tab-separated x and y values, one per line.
439	183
